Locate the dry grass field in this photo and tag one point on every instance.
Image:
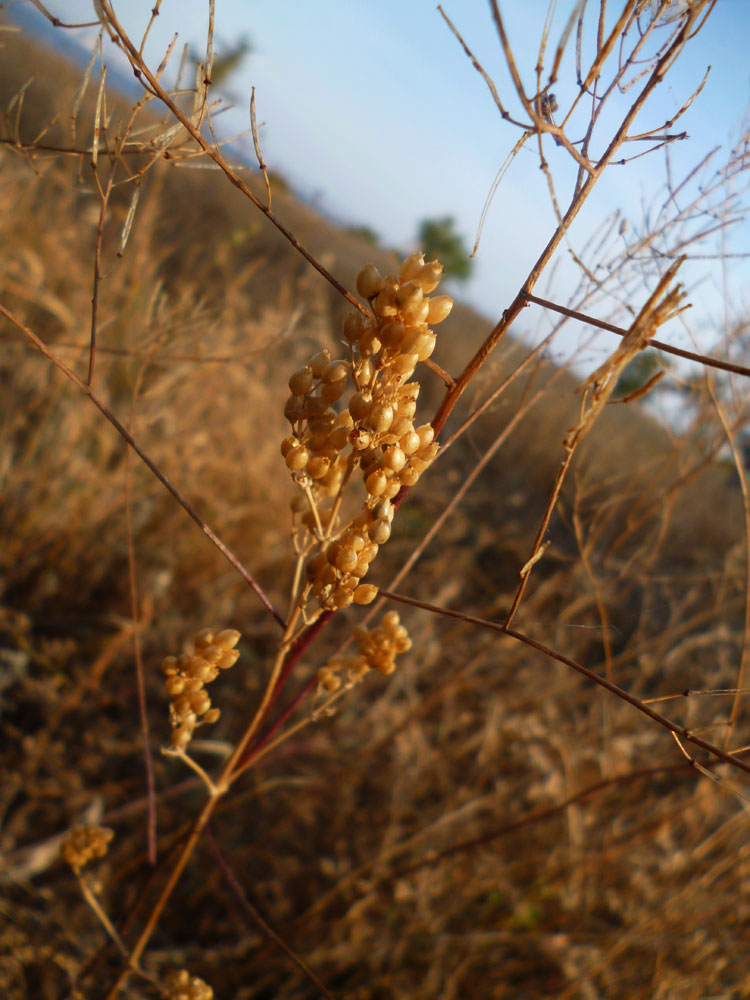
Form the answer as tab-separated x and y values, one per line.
486	822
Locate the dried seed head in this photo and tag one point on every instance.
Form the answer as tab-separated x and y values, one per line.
376	483
335	371
85	843
318	362
429	276
411	267
365	594
301	381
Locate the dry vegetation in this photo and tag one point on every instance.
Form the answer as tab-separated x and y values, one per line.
485	823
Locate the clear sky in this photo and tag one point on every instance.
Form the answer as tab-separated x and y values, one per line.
372	109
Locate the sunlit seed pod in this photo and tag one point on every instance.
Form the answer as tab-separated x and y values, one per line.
293	410
410	442
369	552
414	340
398	632
380	531
394	459
409	295
360	405
411	267
301	381
401	425
416	314
344	419
392	489
318	362
318	466
428	347
346	559
383	510
332	552
169	665
369	342
363	372
390	620
211	653
360	439
194	682
385	667
200	702
182	707
426	434
439	308
212	715
332	683
288	443
174	685
408	476
342	597
335	371
418	465
296	458
204	673
391	333
314	442
365	593
323	423
328	575
360	569
369	281
404	364
352	326
354	540
429	452
380	417
204	638
429	276
376	483
228	659
385	306
402	645
181	736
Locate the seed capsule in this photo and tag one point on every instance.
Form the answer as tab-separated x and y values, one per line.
411	267
404	364
429	276
409	295
380	417
318	362
318	466
392	333
410	442
296	459
365	594
369	281
426	434
360	405
439	308
380	531
408	476
376	483
352	326
334	371
301	381
346	559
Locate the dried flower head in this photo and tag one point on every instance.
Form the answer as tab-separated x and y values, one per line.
377	649
181	985
371	436
210	652
84	844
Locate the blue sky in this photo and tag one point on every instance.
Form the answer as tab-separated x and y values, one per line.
372	110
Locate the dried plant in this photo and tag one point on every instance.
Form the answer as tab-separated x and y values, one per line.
619	597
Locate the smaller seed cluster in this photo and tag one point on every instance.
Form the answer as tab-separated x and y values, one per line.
376	650
181	985
84	844
374	432
187	676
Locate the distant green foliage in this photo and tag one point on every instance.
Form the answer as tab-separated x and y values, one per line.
439	239
643	367
366	234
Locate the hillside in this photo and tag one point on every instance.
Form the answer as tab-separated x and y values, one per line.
485	823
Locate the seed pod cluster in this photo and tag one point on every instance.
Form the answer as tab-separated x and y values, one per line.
187	676
84	844
377	649
181	985
374	432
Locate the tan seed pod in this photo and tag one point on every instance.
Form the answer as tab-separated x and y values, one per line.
212	715
411	267
361	568
296	458
288	443
181	736
380	531
429	276
408	476
376	483
174	685
294	408
318	466
418	464
364	372
346	559
409	295
439	308
331	391
428	346
385	305
204	638
228	659
410	442
352	326
392	489
380	417
426	434
394	459
369	281
365	594
200	702
301	381
342	597
369	342
335	371
354	540
360	405
415	338
369	552
383	510
169	665
360	439
391	333
390	620
416	313
404	364
228	638
318	362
